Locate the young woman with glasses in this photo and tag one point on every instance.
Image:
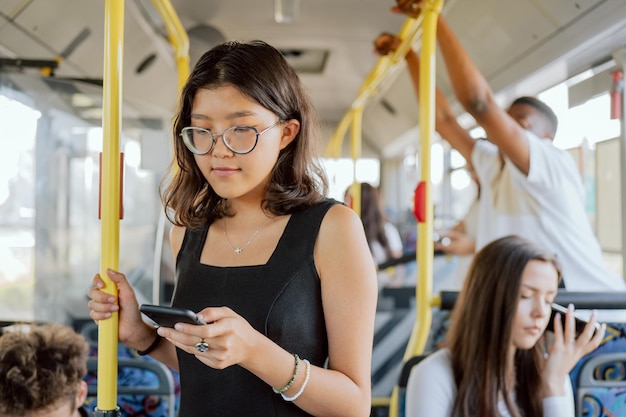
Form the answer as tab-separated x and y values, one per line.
282	274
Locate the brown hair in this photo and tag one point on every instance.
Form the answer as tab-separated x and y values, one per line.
40	367
480	334
261	73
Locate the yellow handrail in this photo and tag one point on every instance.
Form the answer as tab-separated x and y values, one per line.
427	84
353	117
384	67
110	196
355	150
177	37
423	289
111	173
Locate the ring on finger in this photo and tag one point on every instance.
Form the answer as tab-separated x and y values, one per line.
202	346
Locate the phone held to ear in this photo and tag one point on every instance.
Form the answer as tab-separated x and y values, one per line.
579	321
169	316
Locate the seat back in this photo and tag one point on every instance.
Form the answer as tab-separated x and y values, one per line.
602	386
145	387
404	379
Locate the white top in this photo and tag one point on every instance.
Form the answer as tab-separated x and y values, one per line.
395	243
431	391
547	207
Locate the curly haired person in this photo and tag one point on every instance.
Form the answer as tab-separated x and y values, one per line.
41	372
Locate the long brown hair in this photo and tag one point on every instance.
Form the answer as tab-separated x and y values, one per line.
480	334
261	73
373	217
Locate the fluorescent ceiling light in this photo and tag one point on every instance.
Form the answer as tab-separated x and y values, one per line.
286	11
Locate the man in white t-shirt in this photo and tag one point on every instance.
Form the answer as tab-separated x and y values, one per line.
528	186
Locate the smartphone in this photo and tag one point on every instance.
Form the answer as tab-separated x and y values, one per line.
169	316
579	321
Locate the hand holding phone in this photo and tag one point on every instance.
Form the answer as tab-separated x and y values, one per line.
580	321
169	316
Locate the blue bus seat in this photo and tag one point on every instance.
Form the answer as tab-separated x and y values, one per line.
602	386
145	388
599	379
599	392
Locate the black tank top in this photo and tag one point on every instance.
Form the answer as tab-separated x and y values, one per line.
281	299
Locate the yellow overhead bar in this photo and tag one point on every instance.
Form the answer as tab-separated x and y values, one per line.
385	66
177	37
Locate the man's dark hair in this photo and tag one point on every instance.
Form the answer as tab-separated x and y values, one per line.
543	109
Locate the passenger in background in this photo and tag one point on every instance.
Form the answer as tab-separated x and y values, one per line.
282	273
496	362
41	372
382	236
530	187
460	241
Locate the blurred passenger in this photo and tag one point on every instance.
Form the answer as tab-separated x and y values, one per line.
496	362
41	372
531	188
382	236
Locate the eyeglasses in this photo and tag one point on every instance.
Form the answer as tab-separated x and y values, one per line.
239	139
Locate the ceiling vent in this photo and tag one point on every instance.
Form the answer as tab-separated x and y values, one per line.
310	61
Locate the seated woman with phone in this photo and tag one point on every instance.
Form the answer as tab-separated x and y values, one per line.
282	275
496	362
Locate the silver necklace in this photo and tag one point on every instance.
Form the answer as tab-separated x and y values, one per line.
240	249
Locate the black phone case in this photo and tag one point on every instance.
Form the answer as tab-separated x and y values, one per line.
579	321
169	316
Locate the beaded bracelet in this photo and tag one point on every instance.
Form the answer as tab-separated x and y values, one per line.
150	348
292	380
306	381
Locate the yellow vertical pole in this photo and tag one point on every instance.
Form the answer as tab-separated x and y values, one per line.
427	85
110	201
333	147
421	328
355	150
110	196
